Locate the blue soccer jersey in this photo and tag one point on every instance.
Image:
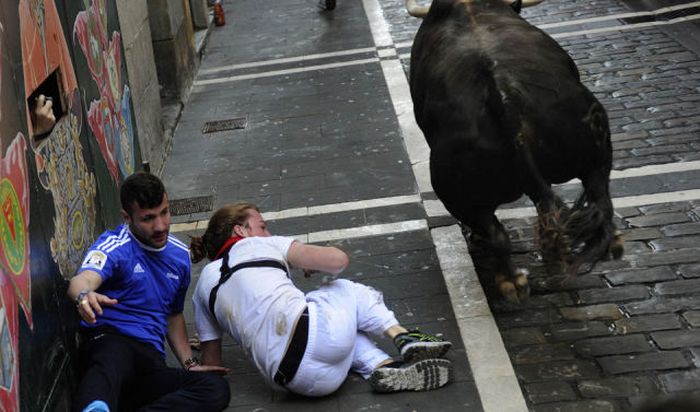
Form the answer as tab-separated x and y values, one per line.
148	283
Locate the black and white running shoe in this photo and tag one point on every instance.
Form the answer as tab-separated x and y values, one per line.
423	375
416	345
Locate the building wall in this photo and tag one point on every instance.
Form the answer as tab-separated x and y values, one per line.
59	192
143	78
173	46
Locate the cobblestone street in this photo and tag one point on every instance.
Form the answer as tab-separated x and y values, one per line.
332	155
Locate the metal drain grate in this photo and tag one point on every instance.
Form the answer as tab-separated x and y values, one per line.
191	205
226	124
670	15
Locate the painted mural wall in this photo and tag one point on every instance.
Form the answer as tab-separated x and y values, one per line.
57	190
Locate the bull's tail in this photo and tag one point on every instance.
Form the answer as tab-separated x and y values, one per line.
589	232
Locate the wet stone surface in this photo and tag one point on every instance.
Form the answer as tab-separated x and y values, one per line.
589	352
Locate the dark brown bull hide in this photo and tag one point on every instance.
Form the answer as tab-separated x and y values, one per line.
504	112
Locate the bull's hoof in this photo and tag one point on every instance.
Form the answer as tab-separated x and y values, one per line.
515	289
617	246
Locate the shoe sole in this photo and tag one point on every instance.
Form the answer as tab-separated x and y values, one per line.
417	351
424	375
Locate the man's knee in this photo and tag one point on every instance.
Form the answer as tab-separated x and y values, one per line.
216	391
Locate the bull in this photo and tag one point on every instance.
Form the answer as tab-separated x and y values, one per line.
504	112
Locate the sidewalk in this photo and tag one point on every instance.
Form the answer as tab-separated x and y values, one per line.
323	154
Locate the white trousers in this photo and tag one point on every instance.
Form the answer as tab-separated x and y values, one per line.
340	315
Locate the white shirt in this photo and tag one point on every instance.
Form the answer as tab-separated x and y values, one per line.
256	306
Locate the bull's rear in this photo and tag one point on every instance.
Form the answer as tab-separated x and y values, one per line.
504	113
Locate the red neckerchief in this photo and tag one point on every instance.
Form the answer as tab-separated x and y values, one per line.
227	245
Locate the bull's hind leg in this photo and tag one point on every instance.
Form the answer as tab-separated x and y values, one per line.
489	247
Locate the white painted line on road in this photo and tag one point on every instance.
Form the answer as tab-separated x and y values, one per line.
377	23
297	59
313	210
653	170
416	146
434	208
626	27
619	16
272	73
384	229
493	372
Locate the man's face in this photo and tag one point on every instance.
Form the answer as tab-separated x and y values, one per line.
150	226
254	226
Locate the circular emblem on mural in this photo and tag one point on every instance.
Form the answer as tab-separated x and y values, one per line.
77	230
12	235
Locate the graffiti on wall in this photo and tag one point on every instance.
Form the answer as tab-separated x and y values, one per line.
14	266
109	116
15	277
59	157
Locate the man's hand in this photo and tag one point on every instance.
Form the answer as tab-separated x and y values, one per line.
90	306
220	370
44	119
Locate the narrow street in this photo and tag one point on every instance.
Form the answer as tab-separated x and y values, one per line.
328	147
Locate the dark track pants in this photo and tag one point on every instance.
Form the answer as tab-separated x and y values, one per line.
131	375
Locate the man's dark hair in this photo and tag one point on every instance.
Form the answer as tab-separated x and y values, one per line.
143	188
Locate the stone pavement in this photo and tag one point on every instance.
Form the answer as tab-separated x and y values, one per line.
332	155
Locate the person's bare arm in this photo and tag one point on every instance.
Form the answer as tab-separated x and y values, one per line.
211	352
90	305
177	339
327	259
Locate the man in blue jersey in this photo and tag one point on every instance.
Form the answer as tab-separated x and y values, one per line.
130	292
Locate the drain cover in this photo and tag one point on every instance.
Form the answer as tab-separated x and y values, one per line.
226	124
191	205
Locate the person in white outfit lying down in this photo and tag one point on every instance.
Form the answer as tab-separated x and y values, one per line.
306	344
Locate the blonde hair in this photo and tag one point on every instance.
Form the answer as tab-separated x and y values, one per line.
219	230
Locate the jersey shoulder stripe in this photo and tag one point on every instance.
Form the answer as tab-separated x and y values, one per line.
112	239
115	245
177	243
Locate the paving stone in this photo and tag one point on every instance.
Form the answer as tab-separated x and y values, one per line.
677	287
578	330
578	406
667	258
550	392
643	362
670	243
566	282
662	305
658	219
592	312
615	345
636	248
693	318
574	369
681	381
645	233
618	387
525	336
672	207
646	323
538	301
655	274
675	339
615	294
540	353
690	271
629	211
528	318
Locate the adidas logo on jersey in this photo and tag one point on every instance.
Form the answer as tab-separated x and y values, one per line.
138	268
171	276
